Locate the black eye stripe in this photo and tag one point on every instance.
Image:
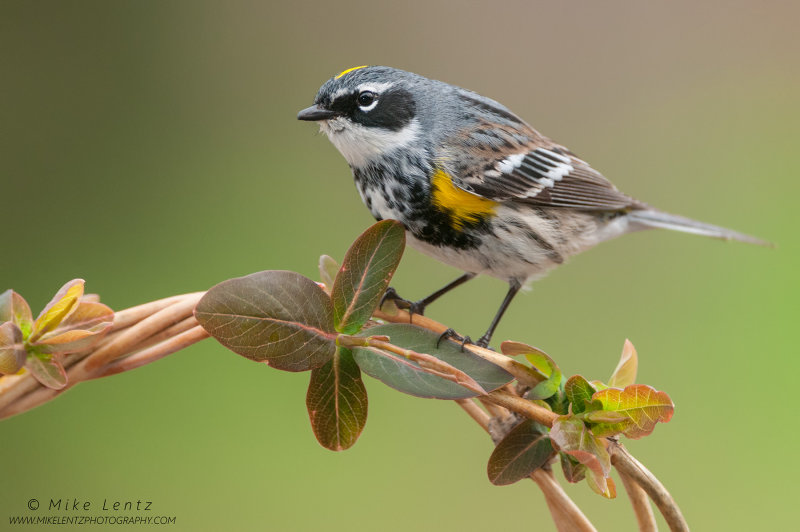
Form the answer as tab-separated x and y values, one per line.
395	108
344	104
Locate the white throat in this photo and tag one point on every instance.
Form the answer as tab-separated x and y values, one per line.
359	145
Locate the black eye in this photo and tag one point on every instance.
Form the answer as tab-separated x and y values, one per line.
366	98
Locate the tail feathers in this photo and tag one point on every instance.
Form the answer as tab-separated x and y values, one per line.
663	220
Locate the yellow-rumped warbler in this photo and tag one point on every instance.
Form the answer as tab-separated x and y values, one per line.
475	186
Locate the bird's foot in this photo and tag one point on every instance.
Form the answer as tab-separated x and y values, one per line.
483	341
413	307
451	333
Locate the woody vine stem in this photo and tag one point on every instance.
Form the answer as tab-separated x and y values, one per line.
338	329
146	333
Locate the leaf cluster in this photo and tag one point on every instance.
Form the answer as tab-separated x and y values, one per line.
292	323
71	322
589	412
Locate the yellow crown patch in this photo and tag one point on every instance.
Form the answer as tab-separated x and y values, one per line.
343	72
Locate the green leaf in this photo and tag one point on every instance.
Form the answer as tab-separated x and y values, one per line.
558	401
14	308
337	402
574	438
12	350
364	276
60	307
277	317
546	371
579	393
408	377
625	373
47	370
545	365
328	268
525	448
513	349
637	408
80	331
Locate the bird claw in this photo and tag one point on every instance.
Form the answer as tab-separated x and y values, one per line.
413	307
483	341
392	295
451	333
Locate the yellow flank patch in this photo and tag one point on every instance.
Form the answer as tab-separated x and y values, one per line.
462	206
343	72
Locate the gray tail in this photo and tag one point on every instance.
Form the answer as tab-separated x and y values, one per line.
662	220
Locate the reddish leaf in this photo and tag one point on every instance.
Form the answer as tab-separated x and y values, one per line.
80	331
525	448
14	308
48	371
572	437
60	307
598	482
12	350
277	317
574	471
364	276
337	402
625	373
642	407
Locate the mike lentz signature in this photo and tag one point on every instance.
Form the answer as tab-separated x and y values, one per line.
77	505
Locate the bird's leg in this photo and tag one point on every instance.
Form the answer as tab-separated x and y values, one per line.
513	288
418	307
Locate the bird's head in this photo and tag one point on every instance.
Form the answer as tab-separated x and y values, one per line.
369	111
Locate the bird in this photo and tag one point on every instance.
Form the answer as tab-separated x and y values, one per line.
474	185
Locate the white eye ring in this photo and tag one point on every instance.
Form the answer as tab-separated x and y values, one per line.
369	95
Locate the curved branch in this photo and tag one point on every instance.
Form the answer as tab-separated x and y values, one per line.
630	466
640	503
566	514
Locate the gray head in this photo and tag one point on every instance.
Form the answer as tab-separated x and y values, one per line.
369	111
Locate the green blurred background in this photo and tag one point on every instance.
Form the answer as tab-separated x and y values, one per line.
151	148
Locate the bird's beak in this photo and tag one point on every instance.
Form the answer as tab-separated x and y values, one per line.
315	113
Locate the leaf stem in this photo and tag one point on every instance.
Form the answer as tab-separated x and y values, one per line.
522	406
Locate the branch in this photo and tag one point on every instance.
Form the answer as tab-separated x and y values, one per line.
138	336
640	503
630	469
630	466
566	514
146	333
517	370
